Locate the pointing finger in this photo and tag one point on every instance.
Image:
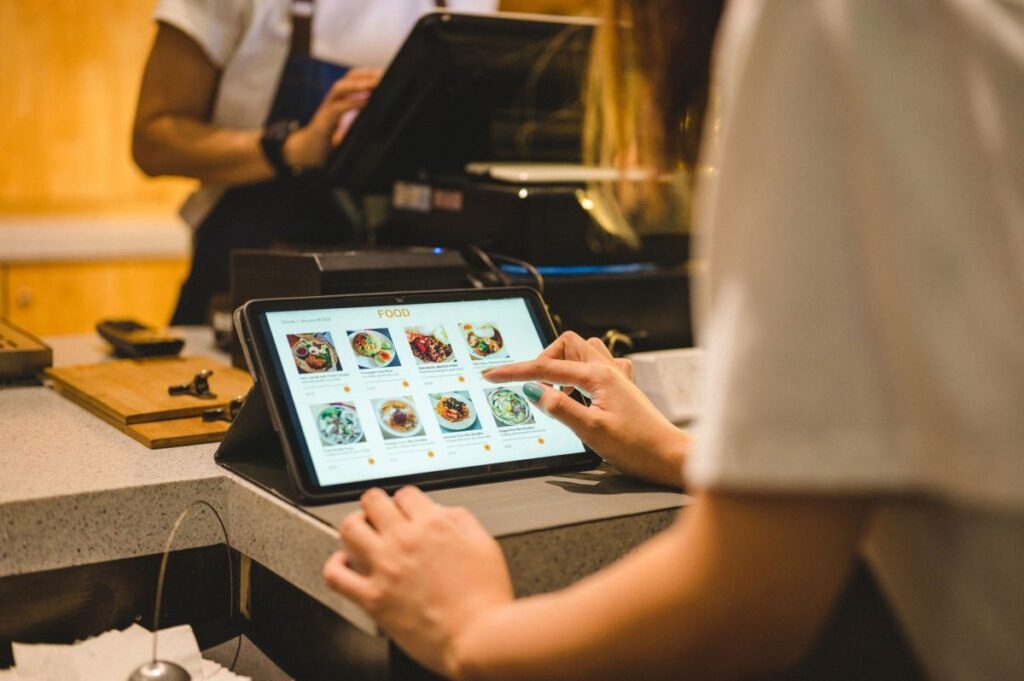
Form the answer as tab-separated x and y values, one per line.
560	371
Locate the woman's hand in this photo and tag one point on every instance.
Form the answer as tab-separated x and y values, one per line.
422	571
621	425
307	147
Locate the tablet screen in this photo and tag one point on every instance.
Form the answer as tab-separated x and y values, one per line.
395	390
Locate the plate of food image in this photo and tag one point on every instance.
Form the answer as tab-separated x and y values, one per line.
509	407
338	424
313	353
484	341
454	411
430	345
399	418
373	349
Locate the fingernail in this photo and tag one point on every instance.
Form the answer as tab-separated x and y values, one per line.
533	391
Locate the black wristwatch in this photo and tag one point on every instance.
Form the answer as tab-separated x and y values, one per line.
272	143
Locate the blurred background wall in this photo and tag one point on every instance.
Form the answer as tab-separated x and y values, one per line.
83	234
71	72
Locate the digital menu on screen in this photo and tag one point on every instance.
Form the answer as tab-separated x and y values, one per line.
396	390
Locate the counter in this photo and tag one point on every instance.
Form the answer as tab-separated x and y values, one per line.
76	491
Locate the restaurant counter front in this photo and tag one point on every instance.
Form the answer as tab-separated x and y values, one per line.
85	512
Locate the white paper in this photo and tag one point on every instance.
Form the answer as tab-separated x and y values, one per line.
112	656
672	379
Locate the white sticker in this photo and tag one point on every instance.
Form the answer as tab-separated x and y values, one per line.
411	196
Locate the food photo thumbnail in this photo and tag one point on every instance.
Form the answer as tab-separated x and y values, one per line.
509	407
373	348
429	344
455	411
484	340
338	423
398	417
314	353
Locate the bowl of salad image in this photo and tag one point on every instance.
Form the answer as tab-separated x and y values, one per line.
338	424
509	408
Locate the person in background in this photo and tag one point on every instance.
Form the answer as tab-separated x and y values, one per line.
248	97
860	209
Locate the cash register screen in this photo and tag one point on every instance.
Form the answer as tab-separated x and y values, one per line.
390	391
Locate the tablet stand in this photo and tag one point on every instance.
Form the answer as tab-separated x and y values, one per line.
252	448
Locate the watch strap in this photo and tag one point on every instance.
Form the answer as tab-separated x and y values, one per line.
272	143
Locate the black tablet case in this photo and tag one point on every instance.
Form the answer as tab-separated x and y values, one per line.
252	448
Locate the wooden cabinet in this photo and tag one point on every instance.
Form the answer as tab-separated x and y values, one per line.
70	297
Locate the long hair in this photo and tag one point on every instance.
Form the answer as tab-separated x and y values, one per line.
645	102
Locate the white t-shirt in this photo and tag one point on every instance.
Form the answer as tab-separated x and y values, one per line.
249	39
862	217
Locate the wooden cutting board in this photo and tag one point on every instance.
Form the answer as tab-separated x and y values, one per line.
132	395
191	430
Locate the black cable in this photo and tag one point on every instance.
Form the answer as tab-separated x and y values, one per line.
538	278
499	277
163	573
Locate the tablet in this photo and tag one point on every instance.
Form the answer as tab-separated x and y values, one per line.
387	390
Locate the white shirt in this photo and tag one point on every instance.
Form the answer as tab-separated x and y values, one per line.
249	39
862	217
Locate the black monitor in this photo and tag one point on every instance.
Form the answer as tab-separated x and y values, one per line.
469	87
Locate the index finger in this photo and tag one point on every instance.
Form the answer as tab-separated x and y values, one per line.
350	84
554	371
569	345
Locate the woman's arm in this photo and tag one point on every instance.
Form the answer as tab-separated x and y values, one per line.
173	136
739	585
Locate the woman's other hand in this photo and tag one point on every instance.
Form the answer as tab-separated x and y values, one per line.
422	571
307	147
621	425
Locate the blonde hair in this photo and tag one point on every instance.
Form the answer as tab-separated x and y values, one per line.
644	103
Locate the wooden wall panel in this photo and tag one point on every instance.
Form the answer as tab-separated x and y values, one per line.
58	298
69	78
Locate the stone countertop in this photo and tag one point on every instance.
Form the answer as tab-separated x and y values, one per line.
74	490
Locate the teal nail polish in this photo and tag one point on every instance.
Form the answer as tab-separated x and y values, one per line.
533	391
